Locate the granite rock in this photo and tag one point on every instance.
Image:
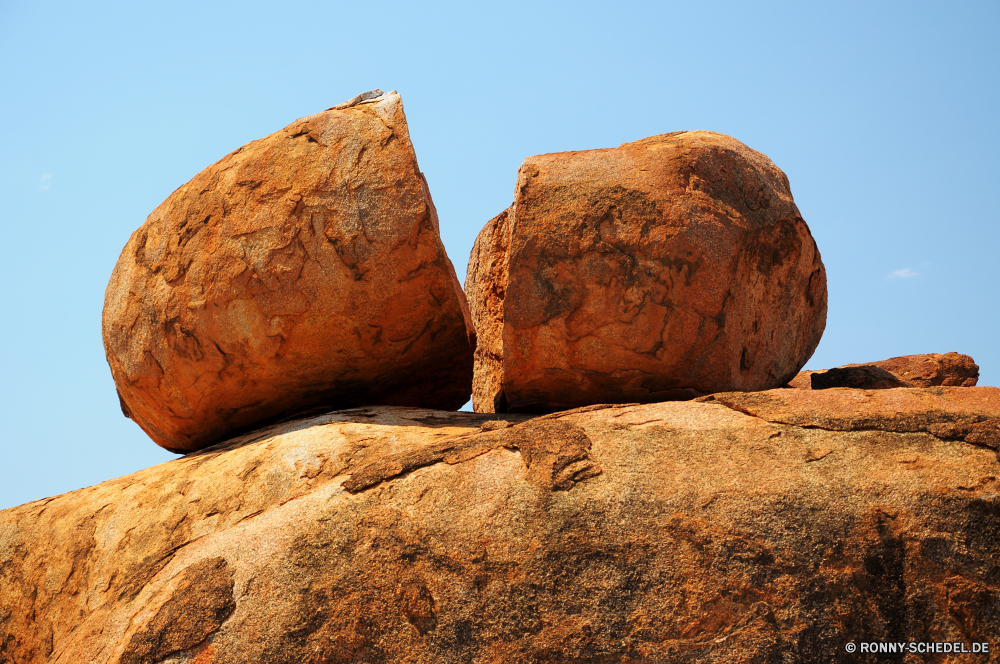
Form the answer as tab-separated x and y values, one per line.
303	269
667	268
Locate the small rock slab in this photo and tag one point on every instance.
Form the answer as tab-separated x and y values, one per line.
736	529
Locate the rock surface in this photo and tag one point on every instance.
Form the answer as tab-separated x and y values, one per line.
927	370
303	269
667	268
766	527
485	288
933	369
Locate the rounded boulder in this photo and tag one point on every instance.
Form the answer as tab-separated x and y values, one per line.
304	269
668	268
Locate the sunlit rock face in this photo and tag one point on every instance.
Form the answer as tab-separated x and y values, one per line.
304	269
926	370
668	268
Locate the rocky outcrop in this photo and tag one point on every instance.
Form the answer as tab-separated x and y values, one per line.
761	527
667	268
928	370
303	269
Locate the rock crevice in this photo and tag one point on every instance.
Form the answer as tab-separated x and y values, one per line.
303	269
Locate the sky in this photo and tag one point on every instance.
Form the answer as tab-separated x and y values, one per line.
882	114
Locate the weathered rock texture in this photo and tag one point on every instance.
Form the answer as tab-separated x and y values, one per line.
304	268
768	527
486	289
667	268
928	370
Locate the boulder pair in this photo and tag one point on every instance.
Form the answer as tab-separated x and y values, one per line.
306	270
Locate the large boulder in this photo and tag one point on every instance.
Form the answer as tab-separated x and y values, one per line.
303	269
857	376
769	527
926	370
668	268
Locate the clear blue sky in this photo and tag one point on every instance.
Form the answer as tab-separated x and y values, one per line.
883	115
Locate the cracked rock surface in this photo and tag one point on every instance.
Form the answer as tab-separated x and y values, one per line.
764	527
668	268
303	269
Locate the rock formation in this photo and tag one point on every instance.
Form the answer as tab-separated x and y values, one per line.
667	268
303	269
763	527
928	370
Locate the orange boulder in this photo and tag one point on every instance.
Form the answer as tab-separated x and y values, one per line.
668	268
303	269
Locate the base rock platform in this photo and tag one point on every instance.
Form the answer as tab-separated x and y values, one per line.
768	527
